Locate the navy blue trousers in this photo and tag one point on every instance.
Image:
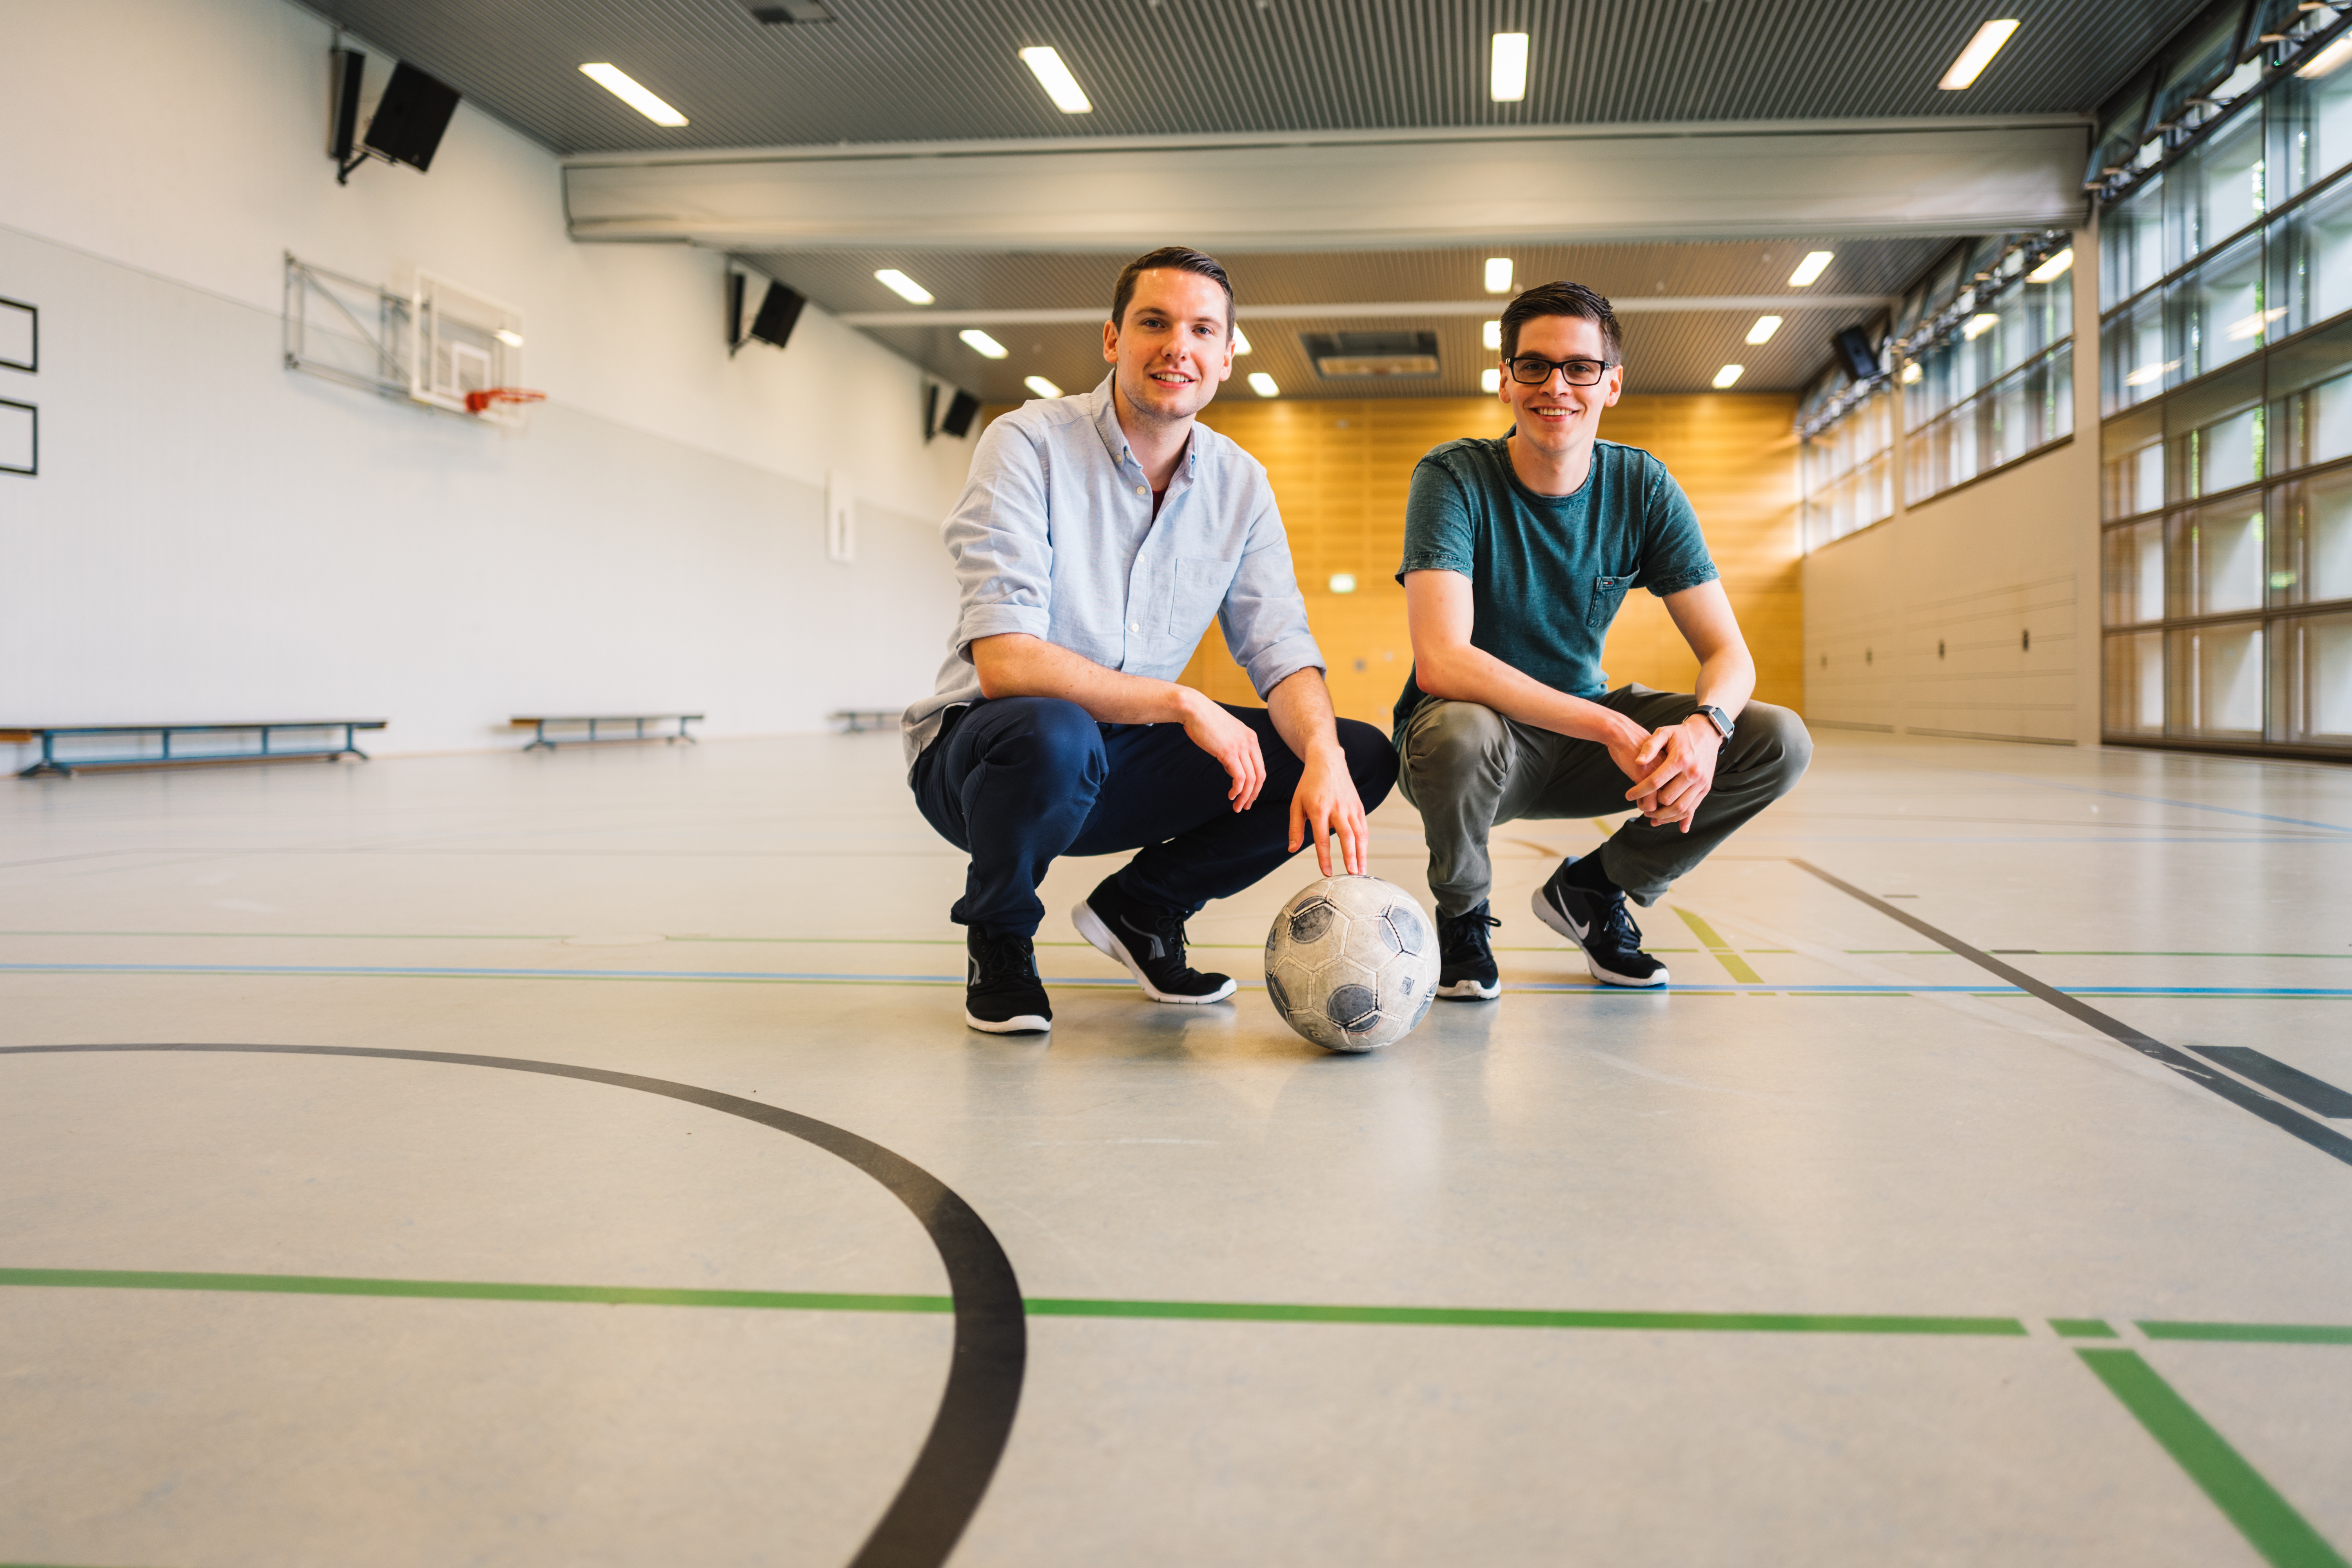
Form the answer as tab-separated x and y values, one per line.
1019	780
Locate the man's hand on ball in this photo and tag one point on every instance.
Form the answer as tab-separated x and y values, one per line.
1327	808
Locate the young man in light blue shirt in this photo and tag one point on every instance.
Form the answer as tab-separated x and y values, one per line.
1096	538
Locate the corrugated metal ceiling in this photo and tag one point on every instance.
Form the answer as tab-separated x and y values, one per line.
1677	351
891	70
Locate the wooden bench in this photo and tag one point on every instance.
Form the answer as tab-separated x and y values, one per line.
264	751
853	720
636	723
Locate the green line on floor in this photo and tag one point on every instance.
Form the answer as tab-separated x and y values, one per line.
2251	1333
472	1290
2267	1520
1508	1318
2082	1329
1737	965
1039	1306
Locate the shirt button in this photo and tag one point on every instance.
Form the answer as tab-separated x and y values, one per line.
1135	626
1138	490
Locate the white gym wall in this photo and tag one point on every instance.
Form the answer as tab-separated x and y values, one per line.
214	537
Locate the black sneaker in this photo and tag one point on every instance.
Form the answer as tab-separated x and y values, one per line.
1150	941
1465	964
1001	993
1611	940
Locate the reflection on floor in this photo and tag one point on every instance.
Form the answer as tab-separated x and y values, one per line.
1875	1239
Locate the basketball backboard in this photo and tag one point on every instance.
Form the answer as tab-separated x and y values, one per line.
464	343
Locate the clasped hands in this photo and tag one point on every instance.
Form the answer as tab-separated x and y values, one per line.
1672	767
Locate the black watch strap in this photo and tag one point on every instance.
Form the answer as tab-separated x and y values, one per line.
1717	717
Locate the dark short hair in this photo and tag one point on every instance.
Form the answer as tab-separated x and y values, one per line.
1169	259
1562	300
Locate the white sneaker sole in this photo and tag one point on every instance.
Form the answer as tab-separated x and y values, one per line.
1091	927
1019	1024
1551	916
1470	991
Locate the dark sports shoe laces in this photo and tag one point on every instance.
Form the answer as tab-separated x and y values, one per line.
1465	964
1150	941
1001	993
1599	924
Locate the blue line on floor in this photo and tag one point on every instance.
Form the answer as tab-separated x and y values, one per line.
430	972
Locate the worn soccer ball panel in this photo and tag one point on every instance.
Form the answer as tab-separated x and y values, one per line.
1351	964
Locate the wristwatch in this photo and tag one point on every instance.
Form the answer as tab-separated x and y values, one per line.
1717	717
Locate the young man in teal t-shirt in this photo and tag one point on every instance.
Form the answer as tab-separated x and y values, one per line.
1518	554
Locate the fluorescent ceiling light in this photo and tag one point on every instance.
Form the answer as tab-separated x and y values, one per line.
980	343
1055	78
1910	372
2327	60
1978	325
1343	582
1728	375
1241	341
1971	62
1041	386
1811	268
2251	326
2148	372
2052	269
1262	384
1491	379
1498	275
621	84
903	287
1761	332
1506	82
512	338
1491	334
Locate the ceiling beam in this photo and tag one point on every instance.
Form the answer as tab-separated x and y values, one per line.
1550	184
1638	304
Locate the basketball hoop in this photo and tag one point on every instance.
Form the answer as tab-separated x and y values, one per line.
514	397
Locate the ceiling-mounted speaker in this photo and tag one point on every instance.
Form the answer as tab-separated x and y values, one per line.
957	420
409	118
734	311
779	312
1857	353
344	68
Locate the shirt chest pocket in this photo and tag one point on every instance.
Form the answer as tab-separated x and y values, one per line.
1608	597
1197	587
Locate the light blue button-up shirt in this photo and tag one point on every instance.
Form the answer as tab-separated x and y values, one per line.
1054	536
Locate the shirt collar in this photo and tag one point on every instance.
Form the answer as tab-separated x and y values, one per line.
1114	439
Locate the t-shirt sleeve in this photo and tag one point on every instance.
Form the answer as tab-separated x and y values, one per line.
1674	549
1437	532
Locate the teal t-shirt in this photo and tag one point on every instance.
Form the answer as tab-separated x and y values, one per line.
1547	573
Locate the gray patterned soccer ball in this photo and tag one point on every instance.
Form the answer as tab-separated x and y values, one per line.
1351	964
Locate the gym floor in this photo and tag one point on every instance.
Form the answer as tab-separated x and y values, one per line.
626	1188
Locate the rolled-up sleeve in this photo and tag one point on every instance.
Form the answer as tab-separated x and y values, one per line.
1264	616
998	538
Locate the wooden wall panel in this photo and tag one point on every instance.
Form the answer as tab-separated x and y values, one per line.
1339	469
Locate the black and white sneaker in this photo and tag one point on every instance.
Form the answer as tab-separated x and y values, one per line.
1600	925
1001	993
1150	941
1465	964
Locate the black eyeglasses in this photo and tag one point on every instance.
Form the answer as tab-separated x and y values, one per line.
1532	370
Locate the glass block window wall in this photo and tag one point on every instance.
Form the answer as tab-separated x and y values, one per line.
2225	377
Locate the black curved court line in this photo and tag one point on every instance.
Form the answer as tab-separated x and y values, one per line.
2284	1117
968	1435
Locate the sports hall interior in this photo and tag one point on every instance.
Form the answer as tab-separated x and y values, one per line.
430	1133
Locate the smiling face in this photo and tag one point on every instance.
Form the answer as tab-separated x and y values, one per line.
1556	418
1174	346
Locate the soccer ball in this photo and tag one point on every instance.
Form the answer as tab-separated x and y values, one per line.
1351	964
